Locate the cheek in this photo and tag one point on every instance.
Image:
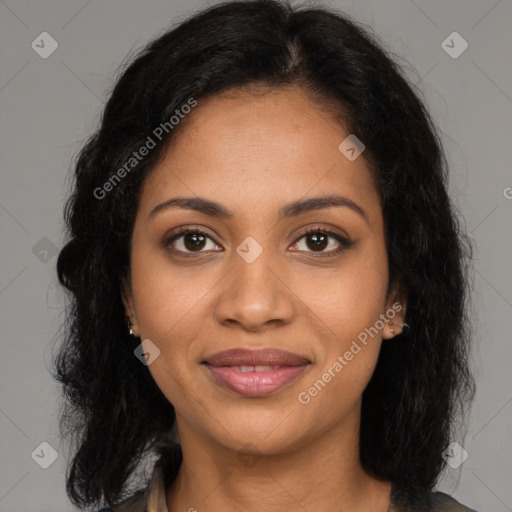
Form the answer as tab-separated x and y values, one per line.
170	305
349	304
174	327
161	309
168	299
351	297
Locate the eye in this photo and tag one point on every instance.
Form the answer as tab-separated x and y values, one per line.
318	240
188	241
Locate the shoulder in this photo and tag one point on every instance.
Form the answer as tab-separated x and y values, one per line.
409	501
135	503
153	495
443	503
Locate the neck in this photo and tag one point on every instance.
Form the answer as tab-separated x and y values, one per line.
325	474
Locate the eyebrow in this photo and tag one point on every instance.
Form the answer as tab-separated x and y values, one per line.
293	209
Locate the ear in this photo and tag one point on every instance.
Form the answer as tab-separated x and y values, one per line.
396	307
128	302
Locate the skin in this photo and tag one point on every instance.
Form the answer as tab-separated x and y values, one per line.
254	152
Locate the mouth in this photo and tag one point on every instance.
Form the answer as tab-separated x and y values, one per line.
255	373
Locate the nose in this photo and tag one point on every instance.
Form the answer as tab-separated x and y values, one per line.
254	296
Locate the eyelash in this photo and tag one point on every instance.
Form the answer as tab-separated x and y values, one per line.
344	242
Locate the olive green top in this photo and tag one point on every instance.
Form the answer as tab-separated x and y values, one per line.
153	499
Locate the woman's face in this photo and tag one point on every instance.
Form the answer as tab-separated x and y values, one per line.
255	279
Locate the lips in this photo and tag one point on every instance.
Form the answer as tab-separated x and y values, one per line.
255	373
263	357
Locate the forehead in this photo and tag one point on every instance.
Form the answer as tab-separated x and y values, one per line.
259	148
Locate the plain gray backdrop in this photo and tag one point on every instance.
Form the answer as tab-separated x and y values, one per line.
50	106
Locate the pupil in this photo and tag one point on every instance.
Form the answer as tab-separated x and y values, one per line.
198	240
320	241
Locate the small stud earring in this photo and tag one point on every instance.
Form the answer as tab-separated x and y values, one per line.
404	326
130	326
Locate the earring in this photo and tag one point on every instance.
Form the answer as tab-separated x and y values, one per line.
130	326
404	326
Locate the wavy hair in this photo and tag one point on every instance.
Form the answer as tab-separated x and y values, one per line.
113	409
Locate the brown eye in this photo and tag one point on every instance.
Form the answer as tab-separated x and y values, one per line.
194	241
317	240
189	241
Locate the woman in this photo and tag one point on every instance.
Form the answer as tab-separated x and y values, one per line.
268	277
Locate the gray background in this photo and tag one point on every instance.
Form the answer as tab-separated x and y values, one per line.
49	107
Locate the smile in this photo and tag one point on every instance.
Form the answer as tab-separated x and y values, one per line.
255	373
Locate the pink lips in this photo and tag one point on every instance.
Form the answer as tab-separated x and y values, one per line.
255	372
